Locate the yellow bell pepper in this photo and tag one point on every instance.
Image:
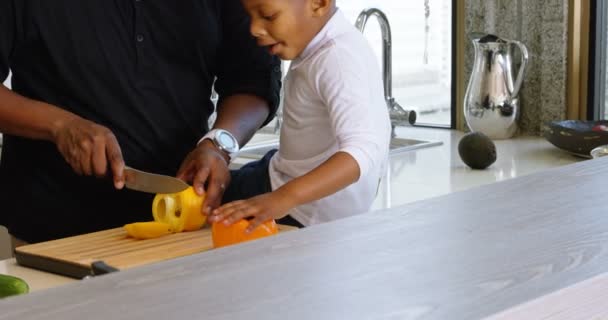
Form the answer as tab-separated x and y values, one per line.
174	212
148	230
181	210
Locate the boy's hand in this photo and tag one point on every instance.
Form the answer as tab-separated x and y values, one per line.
261	208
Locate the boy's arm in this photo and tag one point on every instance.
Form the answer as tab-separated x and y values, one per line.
339	171
335	174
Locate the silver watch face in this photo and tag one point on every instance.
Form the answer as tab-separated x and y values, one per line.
227	141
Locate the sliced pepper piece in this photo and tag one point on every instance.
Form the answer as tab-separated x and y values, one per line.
223	235
180	210
148	230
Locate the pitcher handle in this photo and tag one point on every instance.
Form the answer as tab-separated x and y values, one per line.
524	63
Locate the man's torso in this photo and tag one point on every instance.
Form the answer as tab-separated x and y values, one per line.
144	69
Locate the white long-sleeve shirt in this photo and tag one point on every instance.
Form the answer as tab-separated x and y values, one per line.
334	101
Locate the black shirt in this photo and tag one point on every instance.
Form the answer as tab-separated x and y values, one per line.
144	69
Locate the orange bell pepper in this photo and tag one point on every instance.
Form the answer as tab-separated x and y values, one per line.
223	235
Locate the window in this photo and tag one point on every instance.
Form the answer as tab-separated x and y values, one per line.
598	59
422	53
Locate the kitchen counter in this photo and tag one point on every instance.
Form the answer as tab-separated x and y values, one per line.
434	171
37	280
490	251
415	175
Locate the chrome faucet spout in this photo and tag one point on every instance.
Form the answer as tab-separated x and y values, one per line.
387	46
398	115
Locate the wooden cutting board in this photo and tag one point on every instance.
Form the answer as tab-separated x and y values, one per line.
76	256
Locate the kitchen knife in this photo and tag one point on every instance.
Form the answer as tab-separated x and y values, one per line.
152	182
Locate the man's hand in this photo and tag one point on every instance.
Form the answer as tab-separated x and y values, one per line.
207	168
261	208
90	149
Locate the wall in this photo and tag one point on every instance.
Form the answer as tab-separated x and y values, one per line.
543	27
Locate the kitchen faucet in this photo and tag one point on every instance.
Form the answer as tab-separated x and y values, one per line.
398	115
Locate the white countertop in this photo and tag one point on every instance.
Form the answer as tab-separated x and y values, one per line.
430	172
37	280
414	175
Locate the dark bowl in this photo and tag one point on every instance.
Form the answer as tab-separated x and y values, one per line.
577	136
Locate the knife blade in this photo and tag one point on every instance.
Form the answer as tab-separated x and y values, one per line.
152	182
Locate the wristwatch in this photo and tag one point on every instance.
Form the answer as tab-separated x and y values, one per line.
224	140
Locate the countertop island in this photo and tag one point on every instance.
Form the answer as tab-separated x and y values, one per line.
481	252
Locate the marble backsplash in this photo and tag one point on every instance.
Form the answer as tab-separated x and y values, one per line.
543	27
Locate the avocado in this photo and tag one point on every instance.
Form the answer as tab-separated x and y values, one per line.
10	286
477	150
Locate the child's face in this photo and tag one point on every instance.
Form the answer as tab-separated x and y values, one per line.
284	26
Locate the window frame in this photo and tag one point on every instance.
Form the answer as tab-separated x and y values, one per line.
597	60
457	55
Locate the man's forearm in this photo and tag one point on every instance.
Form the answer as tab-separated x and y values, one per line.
29	118
242	115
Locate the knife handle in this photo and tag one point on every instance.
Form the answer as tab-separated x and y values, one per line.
99	267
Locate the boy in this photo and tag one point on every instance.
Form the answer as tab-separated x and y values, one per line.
335	134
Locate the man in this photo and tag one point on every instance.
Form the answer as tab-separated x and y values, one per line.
101	84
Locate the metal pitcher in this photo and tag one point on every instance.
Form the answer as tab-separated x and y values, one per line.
491	101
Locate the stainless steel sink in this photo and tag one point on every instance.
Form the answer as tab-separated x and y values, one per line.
263	143
399	145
